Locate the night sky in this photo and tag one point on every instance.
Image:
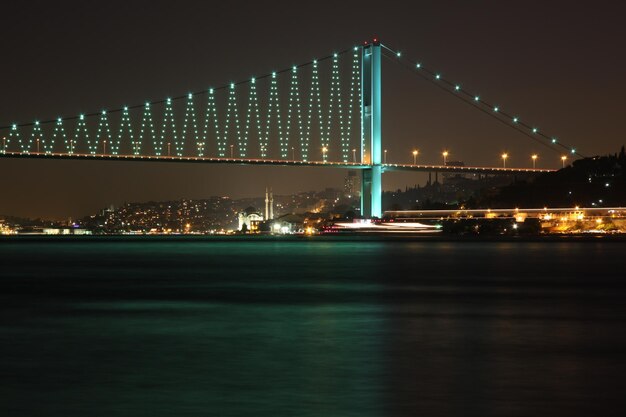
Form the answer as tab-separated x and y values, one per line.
559	66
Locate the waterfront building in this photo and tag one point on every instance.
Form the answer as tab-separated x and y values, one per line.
288	223
6	229
250	218
65	231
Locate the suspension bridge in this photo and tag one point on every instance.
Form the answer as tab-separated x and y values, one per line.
326	112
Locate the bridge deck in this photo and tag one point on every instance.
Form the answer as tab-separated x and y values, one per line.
265	161
461	169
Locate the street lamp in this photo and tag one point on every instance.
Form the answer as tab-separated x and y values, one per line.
354	155
504	156
232	147
385	157
37	145
293	153
563	159
104	147
169	148
324	150
415	157
534	158
445	157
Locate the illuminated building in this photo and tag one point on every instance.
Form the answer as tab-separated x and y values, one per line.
65	231
6	229
288	223
250	218
351	185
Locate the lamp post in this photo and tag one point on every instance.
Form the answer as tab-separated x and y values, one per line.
354	155
293	153
504	157
563	159
37	145
385	156
71	146
232	151
445	157
168	148
104	147
415	156
534	158
324	151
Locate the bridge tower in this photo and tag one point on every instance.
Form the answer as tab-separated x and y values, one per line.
371	135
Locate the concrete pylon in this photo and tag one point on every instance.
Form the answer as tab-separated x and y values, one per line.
371	140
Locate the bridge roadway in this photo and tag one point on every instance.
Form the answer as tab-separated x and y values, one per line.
266	161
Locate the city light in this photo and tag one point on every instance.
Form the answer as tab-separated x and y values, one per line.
295	112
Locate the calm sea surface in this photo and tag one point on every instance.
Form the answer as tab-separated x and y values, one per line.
311	327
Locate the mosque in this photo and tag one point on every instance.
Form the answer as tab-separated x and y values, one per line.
250	218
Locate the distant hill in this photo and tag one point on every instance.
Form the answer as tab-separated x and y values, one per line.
598	181
26	222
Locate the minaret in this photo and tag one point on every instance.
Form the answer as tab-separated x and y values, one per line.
271	204
267	200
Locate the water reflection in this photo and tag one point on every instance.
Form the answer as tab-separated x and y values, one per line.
337	328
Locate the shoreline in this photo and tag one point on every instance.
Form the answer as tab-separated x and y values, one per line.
362	237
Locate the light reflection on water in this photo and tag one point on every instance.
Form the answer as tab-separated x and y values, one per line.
341	327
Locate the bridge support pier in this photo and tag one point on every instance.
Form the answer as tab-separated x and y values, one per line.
371	135
371	192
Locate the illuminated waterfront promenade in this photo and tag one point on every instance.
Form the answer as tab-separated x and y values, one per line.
554	220
563	213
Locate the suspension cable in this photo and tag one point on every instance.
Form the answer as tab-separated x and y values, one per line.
476	101
161	101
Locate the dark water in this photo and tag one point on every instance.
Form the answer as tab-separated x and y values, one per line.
350	327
